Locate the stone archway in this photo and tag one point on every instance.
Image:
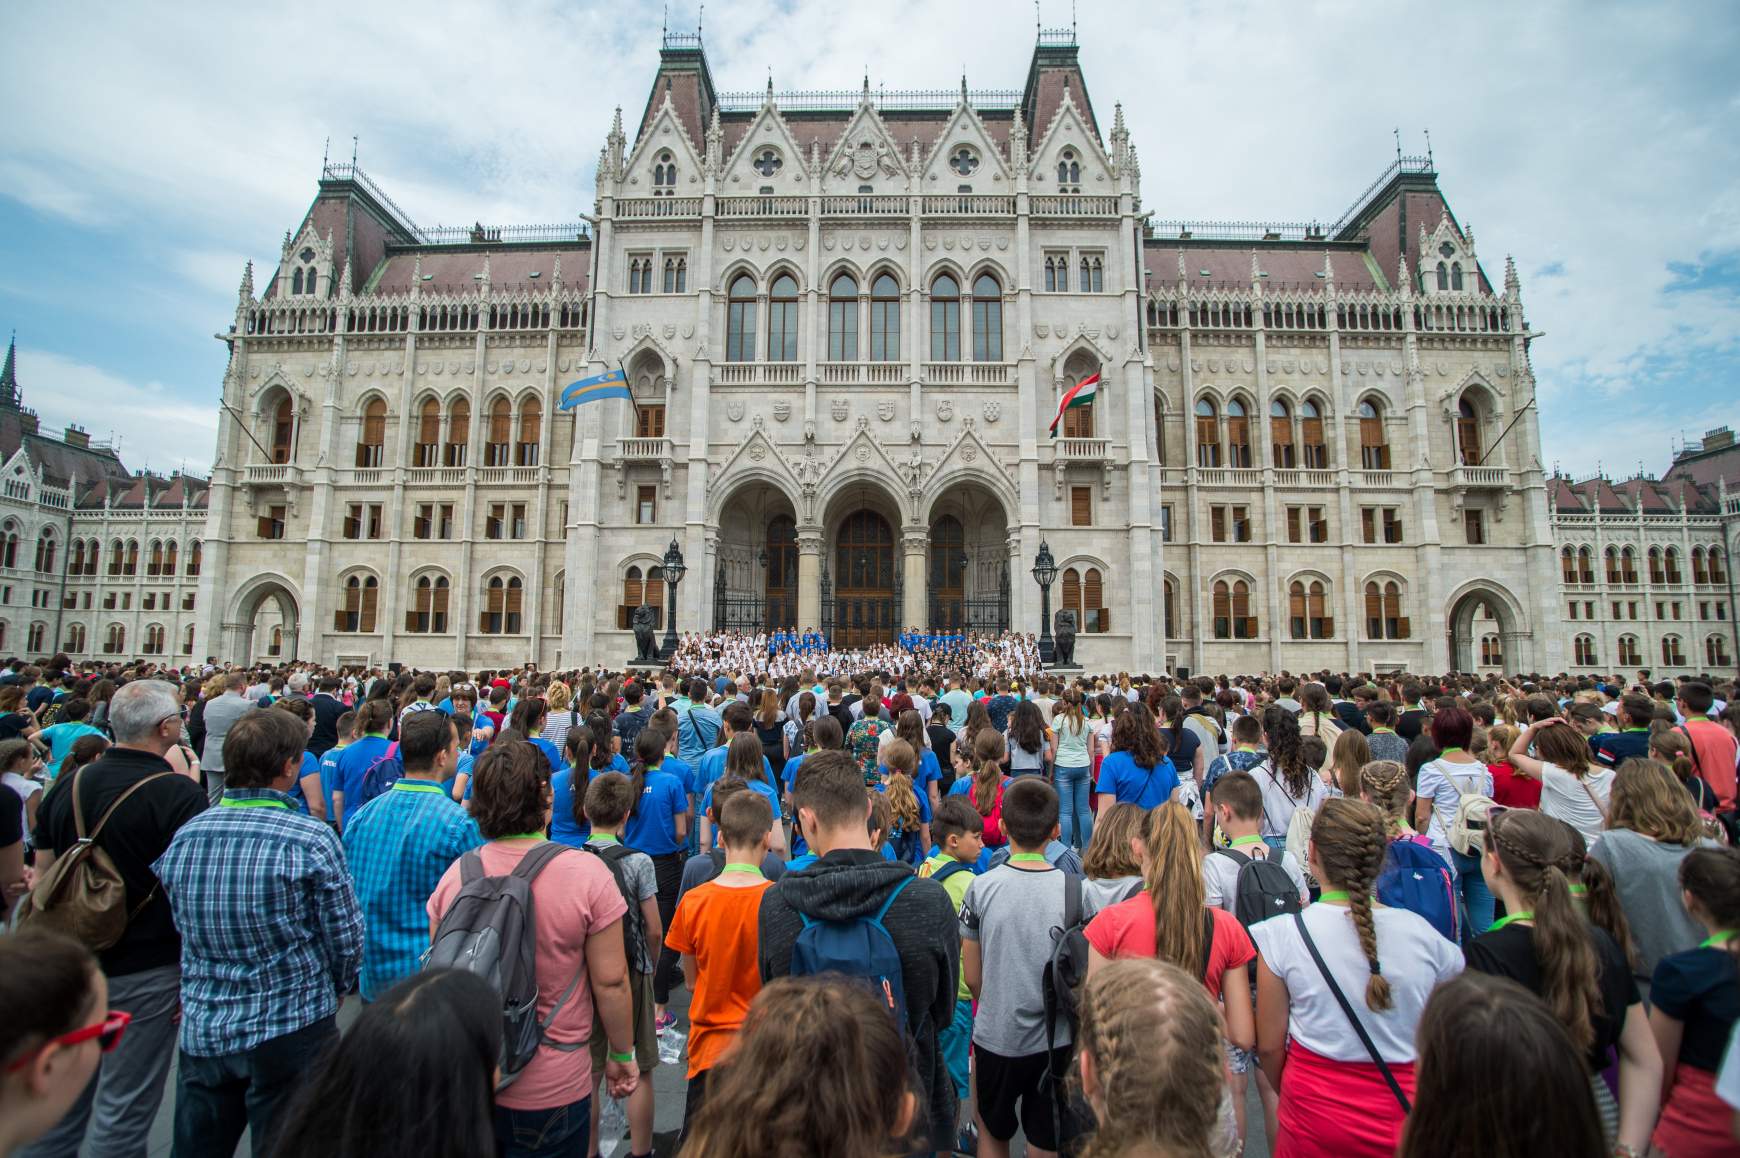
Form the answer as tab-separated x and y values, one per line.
868	565
1477	613
967	563
263	611
755	580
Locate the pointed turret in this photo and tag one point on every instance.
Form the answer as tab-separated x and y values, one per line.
714	160
247	291
10	394
1018	142
1256	271
1404	283
556	273
484	282
1120	132
615	145
1328	270
1512	283
1183	272
344	282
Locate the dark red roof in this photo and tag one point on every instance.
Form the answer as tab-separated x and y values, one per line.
511	266
1289	265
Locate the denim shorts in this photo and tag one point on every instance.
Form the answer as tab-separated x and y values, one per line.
1239	1061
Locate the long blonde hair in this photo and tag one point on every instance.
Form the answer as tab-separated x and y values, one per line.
902	764
1351	753
1173	878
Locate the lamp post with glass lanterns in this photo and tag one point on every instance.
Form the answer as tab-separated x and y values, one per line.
674	572
1045	573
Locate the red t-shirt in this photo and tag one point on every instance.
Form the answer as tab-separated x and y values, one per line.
1714	762
1511	790
1126	929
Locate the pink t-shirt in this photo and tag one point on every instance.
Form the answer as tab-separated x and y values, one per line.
573	897
1715	762
1126	929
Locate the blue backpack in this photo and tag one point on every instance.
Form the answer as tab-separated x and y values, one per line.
861	948
381	775
1415	877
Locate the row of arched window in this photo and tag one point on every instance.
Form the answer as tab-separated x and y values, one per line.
511	437
961	324
502	611
163	557
1310	610
1296	438
1578	565
156	641
1585	653
640	275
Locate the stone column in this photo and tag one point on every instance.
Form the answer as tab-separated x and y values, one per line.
914	548
809	582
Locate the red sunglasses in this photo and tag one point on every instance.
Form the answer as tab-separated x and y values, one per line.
107	1033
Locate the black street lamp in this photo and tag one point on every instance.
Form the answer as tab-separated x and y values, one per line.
1045	573
674	572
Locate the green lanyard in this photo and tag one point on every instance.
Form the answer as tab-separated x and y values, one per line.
523	836
253	802
744	868
1447	751
1335	895
1029	857
1716	939
1503	921
417	786
603	838
1238	840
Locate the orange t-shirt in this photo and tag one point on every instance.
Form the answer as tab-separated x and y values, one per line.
720	928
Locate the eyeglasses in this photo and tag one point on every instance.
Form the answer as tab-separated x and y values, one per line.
107	1033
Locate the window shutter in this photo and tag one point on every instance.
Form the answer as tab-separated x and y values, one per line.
1329	627
1081	508
1072	591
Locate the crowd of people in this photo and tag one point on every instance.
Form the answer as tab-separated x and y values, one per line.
748	656
870	908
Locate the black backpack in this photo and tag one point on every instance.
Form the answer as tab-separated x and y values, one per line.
633	921
1263	889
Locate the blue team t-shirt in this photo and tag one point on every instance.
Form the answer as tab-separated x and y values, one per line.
671	766
653	827
1131	783
760	786
788	774
353	765
310	767
564	829
329	777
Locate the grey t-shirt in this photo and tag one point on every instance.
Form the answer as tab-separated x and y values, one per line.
1010	912
1097	894
1646	874
638	874
220	714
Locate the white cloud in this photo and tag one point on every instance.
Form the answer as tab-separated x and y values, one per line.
151	424
1599	146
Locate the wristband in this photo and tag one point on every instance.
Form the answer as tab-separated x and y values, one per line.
624	1057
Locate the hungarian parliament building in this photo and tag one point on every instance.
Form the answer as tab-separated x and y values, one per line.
847	320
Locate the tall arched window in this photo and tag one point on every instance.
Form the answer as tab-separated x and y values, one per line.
45	549
76	564
1467	433
1491	651
154	561
1383	611
1716	651
131	566
1232	610
296	281
531	430
1456	275
1308	612
361	598
75	638
428	613
154	639
676	275
1568	564
1717	565
117	556
987	319
1583	651
1052	273
945	319
1374	448
458	433
1443	276
740	320
885	319
1312	451
1281	435
655	590
1627	565
9	546
169	552
498	443
1238	434
1672	651
1655	571
193	557
428	449
283	430
1585	565
1671	560
115	640
1068	172
1207	434
371	447
276	646
502	600
1169	612
843	319
782	320
1630	655
187	640
1700	574
1084	593
1612	557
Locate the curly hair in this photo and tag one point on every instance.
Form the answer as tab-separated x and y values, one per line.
1286	750
1134	732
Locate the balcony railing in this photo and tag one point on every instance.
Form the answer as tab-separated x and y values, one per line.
969	373
369	477
1229	476
968	205
1088	450
1477	476
271	472
644	449
758	373
1305	478
1075	205
507	474
437	476
767	206
647	207
863	373
866	205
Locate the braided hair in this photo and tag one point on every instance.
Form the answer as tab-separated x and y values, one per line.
1351	839
1385	784
1539	855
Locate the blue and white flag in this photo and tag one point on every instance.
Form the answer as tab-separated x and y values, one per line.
610	384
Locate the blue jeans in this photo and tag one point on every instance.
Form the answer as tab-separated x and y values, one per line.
1075	811
560	1131
216	1098
1474	896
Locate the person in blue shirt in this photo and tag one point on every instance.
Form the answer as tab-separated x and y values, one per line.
697	724
589	747
744	759
372	720
658	826
909	809
346	727
736	720
306	793
1611	749
1137	770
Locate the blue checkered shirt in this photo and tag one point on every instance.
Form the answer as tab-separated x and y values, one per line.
398	845
270	930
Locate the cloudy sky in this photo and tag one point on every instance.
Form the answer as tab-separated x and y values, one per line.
152	149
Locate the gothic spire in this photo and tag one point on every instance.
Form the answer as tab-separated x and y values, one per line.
1512	283
9	392
247	290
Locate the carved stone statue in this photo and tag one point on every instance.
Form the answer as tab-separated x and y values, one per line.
1063	631
645	622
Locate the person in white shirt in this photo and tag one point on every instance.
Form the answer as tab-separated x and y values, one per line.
1334	1099
1573	788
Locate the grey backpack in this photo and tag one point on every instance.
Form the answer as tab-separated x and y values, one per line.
489	930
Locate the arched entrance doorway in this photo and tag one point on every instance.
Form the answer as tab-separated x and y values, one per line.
968	563
866	590
755	575
1484	633
264	625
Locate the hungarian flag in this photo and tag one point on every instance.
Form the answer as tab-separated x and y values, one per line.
1081	394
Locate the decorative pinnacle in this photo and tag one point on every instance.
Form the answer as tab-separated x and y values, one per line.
247	291
1512	283
1328	267
1183	274
1402	281
1256	270
556	273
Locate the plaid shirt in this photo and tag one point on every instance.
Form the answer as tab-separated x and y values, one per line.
398	845
270	929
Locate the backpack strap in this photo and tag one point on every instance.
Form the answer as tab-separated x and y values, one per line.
533	862
1207	942
1697	766
889	903
78	805
1347	1008
470	868
1236	856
